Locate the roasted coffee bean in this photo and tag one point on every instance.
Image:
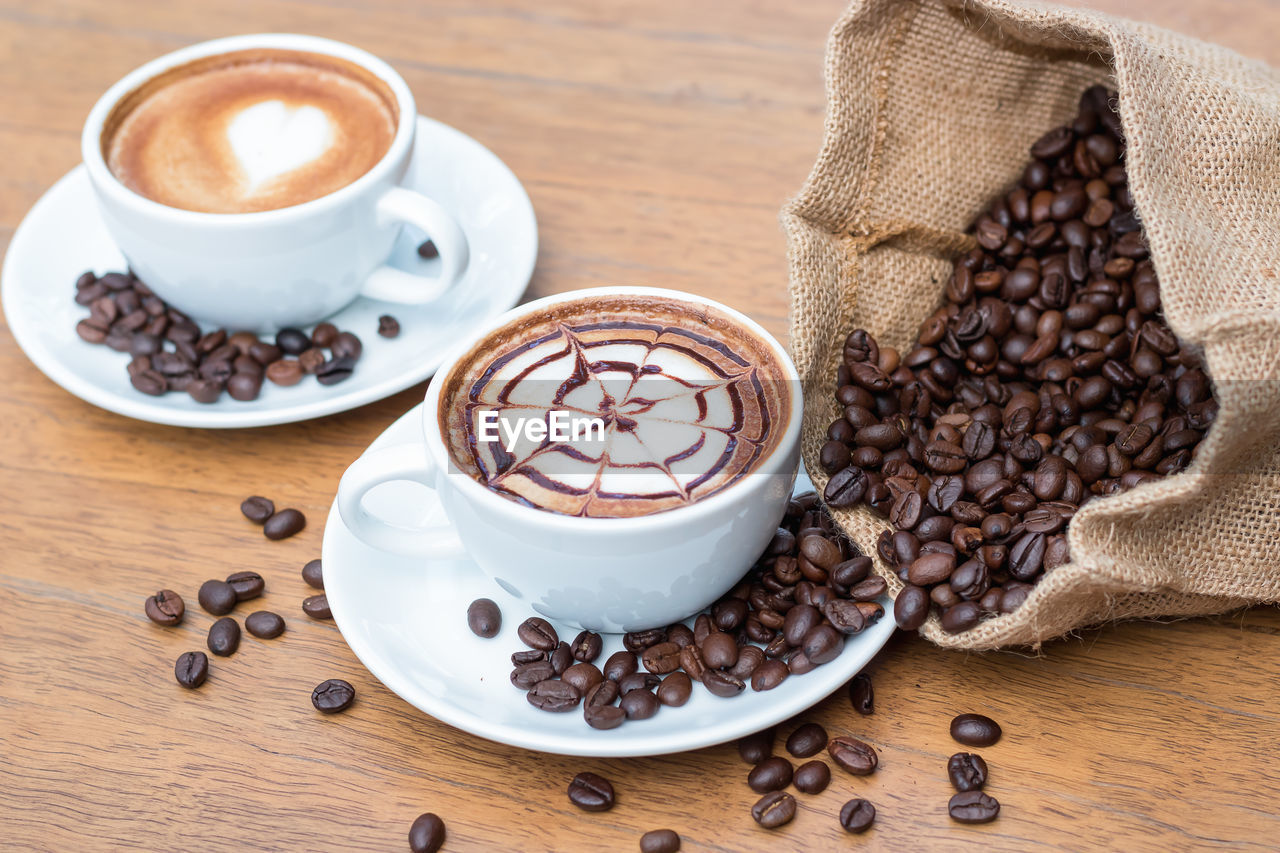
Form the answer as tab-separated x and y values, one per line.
973	807
313	574
967	772
911	608
205	390
591	792
264	353
862	694
619	665
857	816
833	456
283	524
583	676
719	650
257	509
812	777
844	616
960	617
264	624
311	360
165	608
755	748
333	696
484	618
774	809
335	370
317	606
345	345
603	716
586	646
284	372
851	571
224	637
637	641
217	597
769	675
244	386
604	693
537	633
639	704
853	756
247	585
638	681
749	659
388	326
554	695
292	341
809	739
560	657
846	487
192	669
426	834
771	774
822	645
691	661
428	250
975	730
932	568
659	841
722	683
527	656
675	689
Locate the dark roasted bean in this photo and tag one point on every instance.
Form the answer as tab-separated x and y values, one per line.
809	739
973	807
975	730
191	669
224	637
427	834
484	618
967	772
537	633
264	624
333	696
853	756
591	792
774	809
771	774
165	608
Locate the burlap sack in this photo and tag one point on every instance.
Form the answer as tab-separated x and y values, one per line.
932	108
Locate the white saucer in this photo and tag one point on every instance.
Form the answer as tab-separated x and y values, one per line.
406	621
62	236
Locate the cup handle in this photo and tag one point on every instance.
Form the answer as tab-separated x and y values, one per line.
405	462
394	285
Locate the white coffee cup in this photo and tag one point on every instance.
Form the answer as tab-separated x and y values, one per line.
291	266
603	574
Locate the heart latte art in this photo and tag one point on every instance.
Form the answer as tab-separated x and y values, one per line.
615	406
250	131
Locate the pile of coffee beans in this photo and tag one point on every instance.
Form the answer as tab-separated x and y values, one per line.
789	614
171	353
1048	378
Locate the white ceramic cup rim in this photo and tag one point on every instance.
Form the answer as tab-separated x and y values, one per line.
106	182
501	507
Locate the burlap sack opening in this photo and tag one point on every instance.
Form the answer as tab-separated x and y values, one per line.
932	108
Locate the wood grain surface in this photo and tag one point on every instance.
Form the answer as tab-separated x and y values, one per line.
658	141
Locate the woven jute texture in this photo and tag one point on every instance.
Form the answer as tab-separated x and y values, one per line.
932	107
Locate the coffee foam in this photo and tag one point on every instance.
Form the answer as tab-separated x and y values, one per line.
250	131
692	402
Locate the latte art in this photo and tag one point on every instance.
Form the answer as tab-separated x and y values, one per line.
616	410
249	131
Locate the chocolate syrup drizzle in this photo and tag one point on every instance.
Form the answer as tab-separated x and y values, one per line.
623	416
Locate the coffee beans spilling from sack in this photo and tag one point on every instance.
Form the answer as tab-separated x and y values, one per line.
1048	378
790	614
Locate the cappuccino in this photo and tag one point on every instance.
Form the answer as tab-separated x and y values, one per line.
250	130
615	406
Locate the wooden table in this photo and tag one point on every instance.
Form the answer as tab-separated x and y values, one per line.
658	141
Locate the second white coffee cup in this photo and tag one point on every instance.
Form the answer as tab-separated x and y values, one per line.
602	574
291	266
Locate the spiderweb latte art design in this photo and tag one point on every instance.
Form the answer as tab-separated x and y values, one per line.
650	416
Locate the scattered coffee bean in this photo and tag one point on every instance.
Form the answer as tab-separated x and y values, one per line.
583	676
769	675
285	372
591	792
323	334
264	624
812	777
675	689
619	665
853	756
346	345
603	716
335	370
537	633
774	809
659	841
426	835
217	597
722	683
333	696
317	607
388	326
587	646
526	675
809	739
554	695
484	618
973	807
639	704
861	694
192	669
247	585
428	250
857	816
284	524
967	772
975	730
257	509
313	574
224	637
165	608
292	341
755	748
771	774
